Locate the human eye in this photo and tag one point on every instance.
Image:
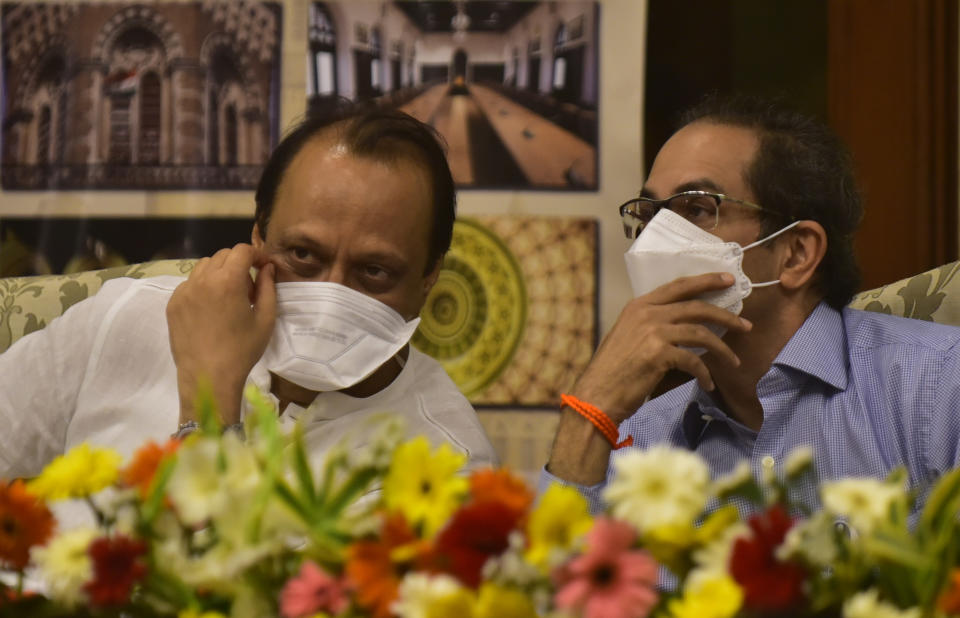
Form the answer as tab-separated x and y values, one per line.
375	272
376	277
302	261
701	210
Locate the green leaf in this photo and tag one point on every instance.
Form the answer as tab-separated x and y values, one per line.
206	408
284	492
355	486
158	487
942	503
301	466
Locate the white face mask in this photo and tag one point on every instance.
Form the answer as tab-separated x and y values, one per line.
671	247
328	337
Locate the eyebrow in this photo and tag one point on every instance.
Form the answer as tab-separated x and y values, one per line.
701	184
393	259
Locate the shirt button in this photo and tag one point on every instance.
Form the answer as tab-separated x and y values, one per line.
768	462
706	417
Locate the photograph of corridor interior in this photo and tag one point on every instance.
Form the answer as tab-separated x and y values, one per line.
511	86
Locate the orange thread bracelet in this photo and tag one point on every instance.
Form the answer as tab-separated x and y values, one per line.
600	420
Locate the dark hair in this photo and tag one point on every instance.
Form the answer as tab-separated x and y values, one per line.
801	170
380	134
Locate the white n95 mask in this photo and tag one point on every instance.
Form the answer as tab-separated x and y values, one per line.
329	337
670	247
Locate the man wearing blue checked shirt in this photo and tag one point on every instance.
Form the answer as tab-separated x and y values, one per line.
742	267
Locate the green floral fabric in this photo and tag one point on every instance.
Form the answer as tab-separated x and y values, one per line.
933	296
29	303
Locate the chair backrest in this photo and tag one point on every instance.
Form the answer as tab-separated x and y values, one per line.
30	303
933	295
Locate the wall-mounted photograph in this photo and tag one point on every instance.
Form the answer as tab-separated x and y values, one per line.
159	95
511	86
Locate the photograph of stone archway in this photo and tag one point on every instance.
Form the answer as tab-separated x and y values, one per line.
100	95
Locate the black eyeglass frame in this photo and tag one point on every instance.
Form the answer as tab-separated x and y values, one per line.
635	225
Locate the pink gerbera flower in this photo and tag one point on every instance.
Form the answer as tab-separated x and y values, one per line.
312	590
611	580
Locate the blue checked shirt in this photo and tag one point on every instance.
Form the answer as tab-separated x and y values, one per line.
867	391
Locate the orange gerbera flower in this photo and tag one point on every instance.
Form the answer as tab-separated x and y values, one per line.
143	466
500	486
949	601
25	521
375	567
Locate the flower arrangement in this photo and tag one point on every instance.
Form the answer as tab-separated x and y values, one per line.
216	525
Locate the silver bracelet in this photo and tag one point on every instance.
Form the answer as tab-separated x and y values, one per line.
185	429
237	428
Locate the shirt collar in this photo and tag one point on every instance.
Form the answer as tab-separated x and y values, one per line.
819	347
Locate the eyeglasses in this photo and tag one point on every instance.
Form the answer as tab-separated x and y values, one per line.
700	208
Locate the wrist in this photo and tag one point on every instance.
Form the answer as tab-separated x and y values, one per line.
602	399
189	427
226	395
185	429
599	419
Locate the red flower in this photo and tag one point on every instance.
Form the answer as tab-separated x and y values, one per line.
768	584
116	568
475	533
25	521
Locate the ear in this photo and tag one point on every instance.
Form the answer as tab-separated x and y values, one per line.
255	238
803	250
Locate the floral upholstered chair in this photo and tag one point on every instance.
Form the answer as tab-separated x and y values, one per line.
29	303
933	296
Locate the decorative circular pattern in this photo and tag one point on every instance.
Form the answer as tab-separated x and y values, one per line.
474	317
455	312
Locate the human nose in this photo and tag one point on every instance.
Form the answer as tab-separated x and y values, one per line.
337	273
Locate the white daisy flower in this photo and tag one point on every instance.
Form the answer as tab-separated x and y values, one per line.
65	565
865	502
658	486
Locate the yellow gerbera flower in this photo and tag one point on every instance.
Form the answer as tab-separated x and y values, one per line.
78	473
560	519
711	597
424	486
193	613
500	602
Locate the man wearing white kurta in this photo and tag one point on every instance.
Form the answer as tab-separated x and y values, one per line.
361	205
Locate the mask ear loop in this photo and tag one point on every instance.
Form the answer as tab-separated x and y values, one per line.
767	284
771	236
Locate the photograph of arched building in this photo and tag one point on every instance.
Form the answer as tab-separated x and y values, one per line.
511	86
139	96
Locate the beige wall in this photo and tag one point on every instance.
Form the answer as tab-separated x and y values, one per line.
521	437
